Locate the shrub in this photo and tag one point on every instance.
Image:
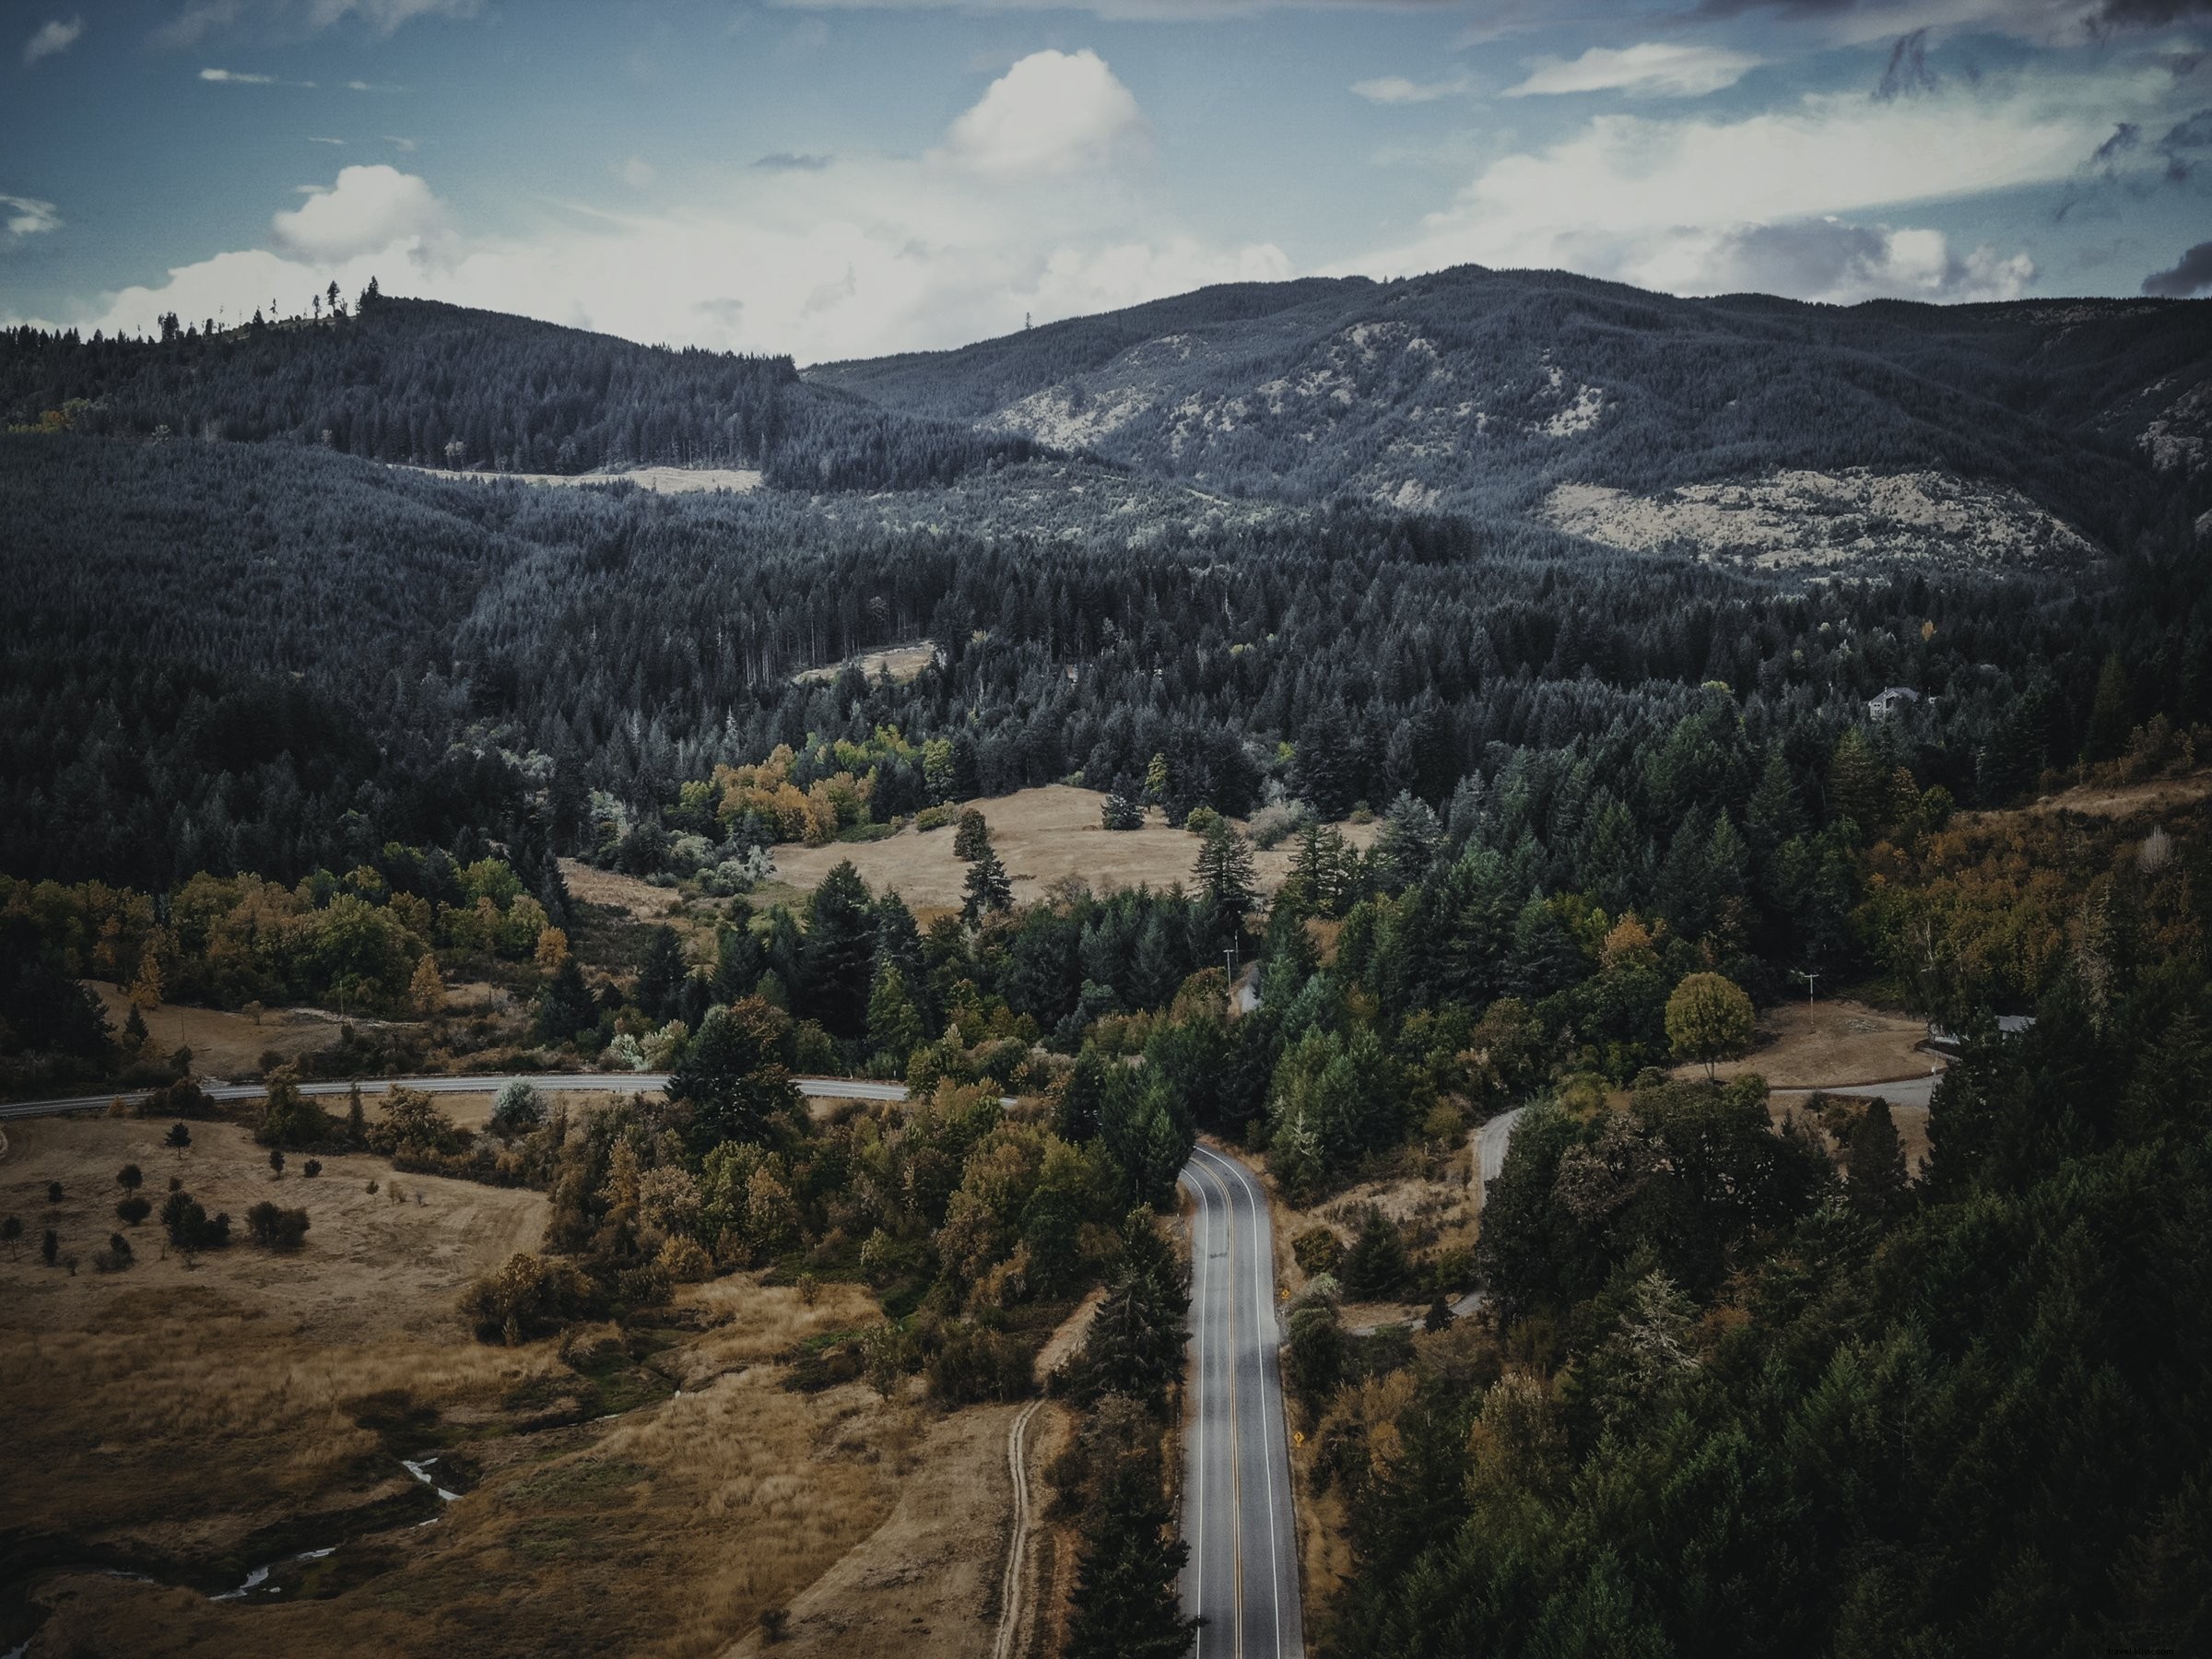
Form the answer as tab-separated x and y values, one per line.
531	1296
130	1177
288	1117
182	1098
312	1167
115	1257
932	817
277	1161
179	1136
774	1622
190	1226
1202	821
277	1229
685	1260
53	1191
1376	1265
413	1125
976	1364
134	1209
1318	1250
518	1110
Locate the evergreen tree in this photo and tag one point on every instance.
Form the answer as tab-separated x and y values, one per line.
1876	1163
894	1028
1225	876
735	1076
661	980
987	890
839	957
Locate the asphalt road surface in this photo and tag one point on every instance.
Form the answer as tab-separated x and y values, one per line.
836	1089
1242	1575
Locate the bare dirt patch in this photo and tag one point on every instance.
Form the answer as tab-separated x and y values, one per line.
902	662
1829	1044
1044	835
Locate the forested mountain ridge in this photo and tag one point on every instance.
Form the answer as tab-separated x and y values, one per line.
429	385
1474	389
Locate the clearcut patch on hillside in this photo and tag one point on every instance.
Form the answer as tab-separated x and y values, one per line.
1794	520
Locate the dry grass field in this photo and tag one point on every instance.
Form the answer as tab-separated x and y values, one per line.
1045	835
177	1424
1828	1044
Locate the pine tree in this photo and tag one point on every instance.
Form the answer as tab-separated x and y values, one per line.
662	976
894	1028
987	889
1224	874
1875	1162
1127	1571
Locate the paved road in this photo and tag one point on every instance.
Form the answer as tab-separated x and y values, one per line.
1236	1517
836	1089
1908	1091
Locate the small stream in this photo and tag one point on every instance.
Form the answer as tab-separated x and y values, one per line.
417	1467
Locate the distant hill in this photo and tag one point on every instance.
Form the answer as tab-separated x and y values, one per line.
427	384
1485	390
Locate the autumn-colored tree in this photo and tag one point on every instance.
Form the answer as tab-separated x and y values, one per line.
552	949
1709	1018
426	990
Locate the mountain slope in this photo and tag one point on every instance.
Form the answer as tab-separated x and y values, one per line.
1485	390
414	381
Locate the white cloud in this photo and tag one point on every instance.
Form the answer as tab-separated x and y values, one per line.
28	216
1397	90
51	37
340	142
1656	68
636	173
1826	259
237	78
1052	113
203	18
1680	203
369	208
871	255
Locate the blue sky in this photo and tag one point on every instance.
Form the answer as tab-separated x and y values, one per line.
847	177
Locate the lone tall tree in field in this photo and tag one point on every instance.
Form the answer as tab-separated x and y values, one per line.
971	836
1708	1020
1225	874
987	888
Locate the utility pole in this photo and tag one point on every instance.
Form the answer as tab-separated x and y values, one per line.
1808	978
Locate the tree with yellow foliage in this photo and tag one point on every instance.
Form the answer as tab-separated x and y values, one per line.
552	949
427	989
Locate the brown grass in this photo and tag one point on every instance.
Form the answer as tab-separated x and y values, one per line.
191	1422
902	662
1045	835
225	1044
1826	1045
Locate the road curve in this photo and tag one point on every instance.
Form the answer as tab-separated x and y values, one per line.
1237	1516
836	1089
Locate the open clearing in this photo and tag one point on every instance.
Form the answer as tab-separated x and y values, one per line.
901	662
1829	1044
1044	835
224	1044
189	1422
661	480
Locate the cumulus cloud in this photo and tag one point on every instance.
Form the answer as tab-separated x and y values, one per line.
1826	259
1397	90
370	207
51	37
28	216
1655	69
2191	276
1052	113
875	254
1648	199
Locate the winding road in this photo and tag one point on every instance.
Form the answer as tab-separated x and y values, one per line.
834	1088
1237	1514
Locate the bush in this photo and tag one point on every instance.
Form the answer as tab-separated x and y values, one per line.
277	1229
115	1257
130	1178
414	1126
1318	1250
518	1110
190	1226
1375	1265
531	1296
182	1098
53	1191
975	1364
932	817
134	1209
179	1136
1202	821
312	1167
